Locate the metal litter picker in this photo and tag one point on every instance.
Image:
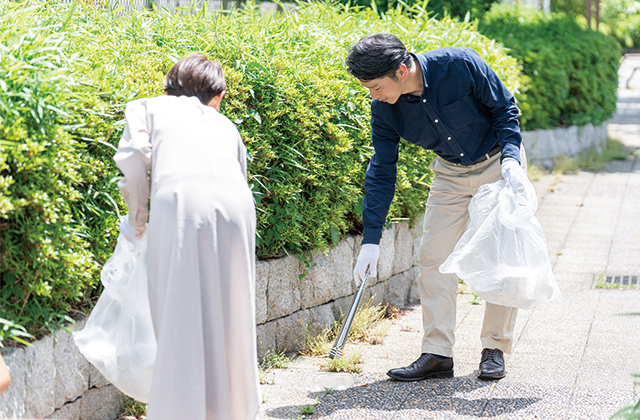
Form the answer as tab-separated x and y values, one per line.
336	351
343	380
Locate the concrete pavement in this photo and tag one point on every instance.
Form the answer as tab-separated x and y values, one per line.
571	360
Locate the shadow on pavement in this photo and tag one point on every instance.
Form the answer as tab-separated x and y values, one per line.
380	399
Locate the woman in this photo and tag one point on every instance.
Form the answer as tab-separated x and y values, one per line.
189	159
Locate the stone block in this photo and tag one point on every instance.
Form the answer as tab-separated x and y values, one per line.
291	331
262	281
414	291
316	286
387	251
71	376
12	402
283	293
69	411
266	338
341	306
86	369
96	379
416	235
343	263
545	146
320	318
403	252
39	378
377	293
398	288
357	246
103	403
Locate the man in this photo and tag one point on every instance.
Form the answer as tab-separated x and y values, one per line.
449	101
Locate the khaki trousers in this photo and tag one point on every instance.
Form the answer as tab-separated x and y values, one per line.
445	221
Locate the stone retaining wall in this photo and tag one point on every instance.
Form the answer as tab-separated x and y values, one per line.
51	379
288	307
543	147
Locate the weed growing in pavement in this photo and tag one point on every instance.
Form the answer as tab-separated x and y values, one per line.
590	160
272	360
319	345
349	363
565	164
275	360
594	161
308	409
263	377
534	172
463	289
477	300
370	325
133	408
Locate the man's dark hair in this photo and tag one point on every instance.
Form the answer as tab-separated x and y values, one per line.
377	56
195	75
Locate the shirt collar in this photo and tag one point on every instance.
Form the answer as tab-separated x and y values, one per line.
423	68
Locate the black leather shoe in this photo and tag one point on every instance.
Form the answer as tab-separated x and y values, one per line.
491	365
427	366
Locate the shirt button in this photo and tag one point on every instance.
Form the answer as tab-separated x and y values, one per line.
461	154
448	138
436	120
424	100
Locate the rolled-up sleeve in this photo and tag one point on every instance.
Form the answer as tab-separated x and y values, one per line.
134	160
380	178
501	104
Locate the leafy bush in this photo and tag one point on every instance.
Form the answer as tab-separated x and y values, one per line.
45	258
438	8
621	19
573	71
70	69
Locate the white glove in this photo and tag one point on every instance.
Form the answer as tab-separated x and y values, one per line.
132	234
368	258
514	174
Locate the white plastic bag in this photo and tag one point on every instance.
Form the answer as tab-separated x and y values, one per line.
502	256
118	338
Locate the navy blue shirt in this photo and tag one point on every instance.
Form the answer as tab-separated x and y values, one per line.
463	112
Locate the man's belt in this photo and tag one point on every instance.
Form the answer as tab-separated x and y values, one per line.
496	149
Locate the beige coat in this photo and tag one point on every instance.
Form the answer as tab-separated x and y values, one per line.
201	256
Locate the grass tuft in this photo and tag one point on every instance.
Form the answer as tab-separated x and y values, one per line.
350	363
133	409
370	325
275	360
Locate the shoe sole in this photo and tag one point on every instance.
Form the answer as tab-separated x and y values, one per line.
492	377
436	375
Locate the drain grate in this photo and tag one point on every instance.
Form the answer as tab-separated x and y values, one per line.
622	280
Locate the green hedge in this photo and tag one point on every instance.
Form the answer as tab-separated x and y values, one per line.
45	258
437	8
69	71
573	72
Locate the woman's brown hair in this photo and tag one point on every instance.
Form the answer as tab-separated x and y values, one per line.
195	75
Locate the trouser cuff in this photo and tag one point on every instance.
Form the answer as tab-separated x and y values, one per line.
442	351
